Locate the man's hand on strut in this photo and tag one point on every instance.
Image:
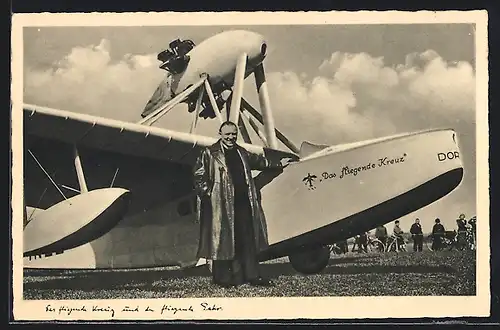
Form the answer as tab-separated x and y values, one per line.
286	161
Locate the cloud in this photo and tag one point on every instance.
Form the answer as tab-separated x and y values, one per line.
353	96
446	87
88	81
318	105
356	96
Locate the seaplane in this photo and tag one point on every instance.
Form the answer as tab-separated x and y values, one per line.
107	194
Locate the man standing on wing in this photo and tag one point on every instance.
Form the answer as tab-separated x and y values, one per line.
232	224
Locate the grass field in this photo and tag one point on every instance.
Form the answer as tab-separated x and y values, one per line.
374	274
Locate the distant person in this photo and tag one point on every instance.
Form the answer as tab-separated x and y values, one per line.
398	232
461	223
357	243
343	246
472	223
437	235
462	231
363	242
417	235
360	241
381	234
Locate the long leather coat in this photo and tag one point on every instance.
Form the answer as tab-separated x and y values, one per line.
215	202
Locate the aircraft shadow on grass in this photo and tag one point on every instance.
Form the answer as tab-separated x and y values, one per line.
146	280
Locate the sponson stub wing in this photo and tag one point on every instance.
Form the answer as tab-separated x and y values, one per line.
308	148
118	136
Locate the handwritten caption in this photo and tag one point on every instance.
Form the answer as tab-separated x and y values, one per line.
112	312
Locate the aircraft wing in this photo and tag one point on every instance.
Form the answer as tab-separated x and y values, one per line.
152	163
118	136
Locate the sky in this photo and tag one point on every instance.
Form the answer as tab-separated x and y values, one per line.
328	84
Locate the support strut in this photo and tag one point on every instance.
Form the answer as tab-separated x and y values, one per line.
255	128
160	112
79	171
47	174
212	101
243	130
239	77
197	110
265	106
289	144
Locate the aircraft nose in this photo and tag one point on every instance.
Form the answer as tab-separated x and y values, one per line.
249	42
263	49
257	48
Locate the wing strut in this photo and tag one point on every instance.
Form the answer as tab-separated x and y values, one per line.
212	101
47	174
114	177
265	106
36	207
79	171
161	111
255	127
289	144
244	132
239	77
197	110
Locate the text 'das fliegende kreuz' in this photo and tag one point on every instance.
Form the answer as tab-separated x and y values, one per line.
348	170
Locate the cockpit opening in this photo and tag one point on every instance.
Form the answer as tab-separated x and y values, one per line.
175	59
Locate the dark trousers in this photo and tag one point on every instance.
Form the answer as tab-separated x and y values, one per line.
343	246
437	242
418	241
462	239
245	266
364	247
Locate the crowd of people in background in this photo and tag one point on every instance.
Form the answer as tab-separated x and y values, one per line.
463	237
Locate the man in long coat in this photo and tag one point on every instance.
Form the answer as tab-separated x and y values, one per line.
437	235
232	224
